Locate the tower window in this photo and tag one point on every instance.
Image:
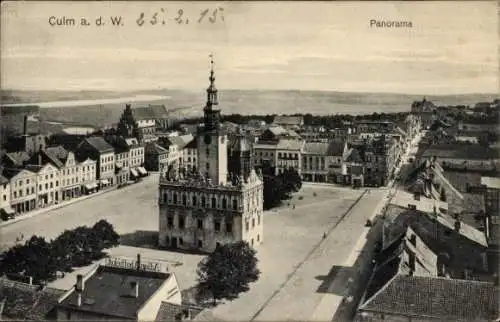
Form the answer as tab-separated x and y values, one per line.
184	200
253	222
208	151
229	227
235	204
181	222
224	203
170	222
175	197
194	200
247	226
203	201
200	223
214	202
217	226
207	166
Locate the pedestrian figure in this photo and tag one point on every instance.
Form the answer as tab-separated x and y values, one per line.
324	235
22	236
293	206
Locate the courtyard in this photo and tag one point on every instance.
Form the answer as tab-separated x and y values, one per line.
294	259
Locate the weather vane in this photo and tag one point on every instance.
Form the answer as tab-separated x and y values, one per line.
211	61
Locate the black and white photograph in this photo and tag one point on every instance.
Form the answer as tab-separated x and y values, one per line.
249	161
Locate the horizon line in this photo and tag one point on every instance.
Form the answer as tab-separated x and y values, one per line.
247	90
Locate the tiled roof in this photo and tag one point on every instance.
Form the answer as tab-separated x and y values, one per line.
99	144
153	147
151	112
53	156
288	120
173	312
107	291
285	144
466	230
27	302
3	179
436	298
461	151
474	202
58	151
181	141
18	158
335	148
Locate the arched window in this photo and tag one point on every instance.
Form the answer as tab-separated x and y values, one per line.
214	202
194	200
203	201
184	199
175	197
224	203
235	204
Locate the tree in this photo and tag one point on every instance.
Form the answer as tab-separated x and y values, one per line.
292	180
227	272
106	233
274	191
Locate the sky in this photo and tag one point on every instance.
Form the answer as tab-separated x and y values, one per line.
329	46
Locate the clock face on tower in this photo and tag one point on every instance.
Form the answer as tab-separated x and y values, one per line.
208	139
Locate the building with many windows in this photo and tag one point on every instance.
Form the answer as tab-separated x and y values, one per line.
96	148
23	190
214	205
5	208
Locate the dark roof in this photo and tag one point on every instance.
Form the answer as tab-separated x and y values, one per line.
107	291
18	158
461	151
151	112
3	179
438	298
58	151
27	302
316	148
170	312
154	148
335	148
99	144
118	143
355	156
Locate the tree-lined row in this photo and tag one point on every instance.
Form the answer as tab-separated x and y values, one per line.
280	187
42	259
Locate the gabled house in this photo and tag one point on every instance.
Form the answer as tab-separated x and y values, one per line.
156	157
71	184
324	161
96	148
23	190
48	181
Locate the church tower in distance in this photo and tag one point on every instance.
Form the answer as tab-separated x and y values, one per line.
220	203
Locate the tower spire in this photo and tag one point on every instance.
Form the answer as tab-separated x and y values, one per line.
212	90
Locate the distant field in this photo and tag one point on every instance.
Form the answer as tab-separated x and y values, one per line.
231	101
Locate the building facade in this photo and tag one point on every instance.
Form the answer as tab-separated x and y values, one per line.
23	190
214	206
96	148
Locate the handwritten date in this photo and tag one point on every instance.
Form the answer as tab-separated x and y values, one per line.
162	16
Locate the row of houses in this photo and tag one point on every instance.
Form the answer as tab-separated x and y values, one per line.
435	261
55	174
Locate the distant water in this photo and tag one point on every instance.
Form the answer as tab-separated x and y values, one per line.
105	101
78	130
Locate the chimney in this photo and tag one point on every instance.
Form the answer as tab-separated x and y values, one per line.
25	125
138	262
79	283
134	291
457	226
39	158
